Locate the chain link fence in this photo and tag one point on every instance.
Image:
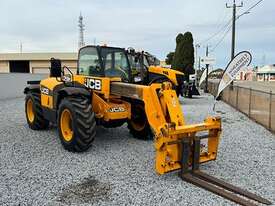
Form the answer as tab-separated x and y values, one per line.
256	104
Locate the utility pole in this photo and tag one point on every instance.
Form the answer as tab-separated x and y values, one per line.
199	67
197	63
206	79
234	6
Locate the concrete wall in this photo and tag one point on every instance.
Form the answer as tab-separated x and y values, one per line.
40	66
12	85
4	67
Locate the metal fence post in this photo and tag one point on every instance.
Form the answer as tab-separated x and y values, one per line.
229	95
249	106
270	108
237	97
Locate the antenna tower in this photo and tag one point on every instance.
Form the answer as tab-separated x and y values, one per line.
81	42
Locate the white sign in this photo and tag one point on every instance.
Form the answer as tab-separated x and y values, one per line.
203	76
240	62
208	60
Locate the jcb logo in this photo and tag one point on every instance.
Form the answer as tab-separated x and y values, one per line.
117	109
44	90
93	83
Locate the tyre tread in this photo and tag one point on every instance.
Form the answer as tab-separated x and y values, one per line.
85	124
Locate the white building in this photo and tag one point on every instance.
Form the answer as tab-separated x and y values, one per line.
266	73
34	62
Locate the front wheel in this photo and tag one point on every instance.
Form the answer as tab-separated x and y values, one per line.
76	124
138	124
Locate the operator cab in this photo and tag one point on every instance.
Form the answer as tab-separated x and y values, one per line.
140	63
102	61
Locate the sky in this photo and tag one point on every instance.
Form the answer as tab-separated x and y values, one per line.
51	26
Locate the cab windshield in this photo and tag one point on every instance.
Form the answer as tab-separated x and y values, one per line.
103	61
89	62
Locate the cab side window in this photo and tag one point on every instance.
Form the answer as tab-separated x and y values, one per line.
121	63
115	63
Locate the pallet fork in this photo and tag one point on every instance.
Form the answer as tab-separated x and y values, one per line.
210	183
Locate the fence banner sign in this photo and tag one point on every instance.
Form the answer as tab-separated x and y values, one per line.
203	76
240	62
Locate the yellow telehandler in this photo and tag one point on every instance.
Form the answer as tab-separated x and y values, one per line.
146	70
100	95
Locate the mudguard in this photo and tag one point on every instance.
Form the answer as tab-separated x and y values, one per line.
33	87
69	91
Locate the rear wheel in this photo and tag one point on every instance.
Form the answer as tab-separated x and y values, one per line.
34	112
76	124
190	94
138	124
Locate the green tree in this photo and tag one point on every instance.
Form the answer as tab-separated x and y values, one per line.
169	58
184	54
177	60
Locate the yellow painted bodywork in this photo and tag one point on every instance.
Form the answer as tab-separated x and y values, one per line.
169	73
105	89
163	112
102	108
47	101
50	84
165	116
103	103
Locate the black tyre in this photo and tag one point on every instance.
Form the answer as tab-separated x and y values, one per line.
34	112
76	124
138	124
178	91
190	95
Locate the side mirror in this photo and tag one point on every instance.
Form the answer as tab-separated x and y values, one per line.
55	69
131	51
67	78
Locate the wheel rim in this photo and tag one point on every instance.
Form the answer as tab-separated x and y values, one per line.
66	125
138	120
30	112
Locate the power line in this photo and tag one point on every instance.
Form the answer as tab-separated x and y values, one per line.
225	27
223	37
222	19
248	10
216	33
228	28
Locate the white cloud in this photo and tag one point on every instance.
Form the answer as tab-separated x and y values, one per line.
153	25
